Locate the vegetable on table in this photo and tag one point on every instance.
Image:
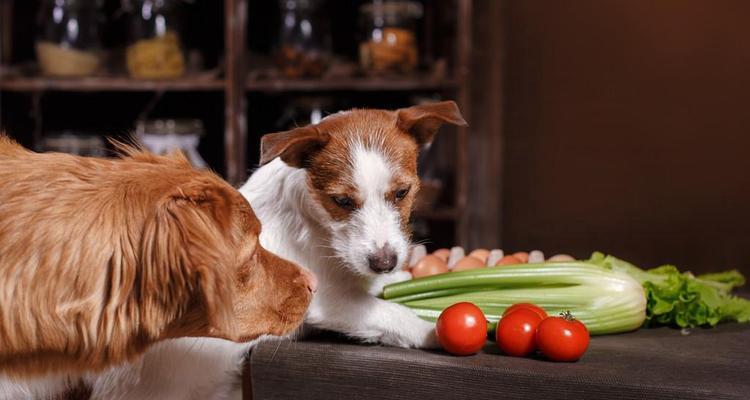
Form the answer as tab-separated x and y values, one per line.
682	299
562	338
607	294
516	332
462	329
533	307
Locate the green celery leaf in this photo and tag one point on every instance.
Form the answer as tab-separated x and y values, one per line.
733	277
681	299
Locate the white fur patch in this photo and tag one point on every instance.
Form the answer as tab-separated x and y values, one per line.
372	177
377	222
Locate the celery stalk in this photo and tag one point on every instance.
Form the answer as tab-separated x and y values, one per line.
607	301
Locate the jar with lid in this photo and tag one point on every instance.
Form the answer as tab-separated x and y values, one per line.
161	136
74	142
67	39
303	111
155	49
304	43
389	40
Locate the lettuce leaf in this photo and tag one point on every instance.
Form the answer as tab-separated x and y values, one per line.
682	299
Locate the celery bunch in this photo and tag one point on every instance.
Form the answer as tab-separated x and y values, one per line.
606	294
682	299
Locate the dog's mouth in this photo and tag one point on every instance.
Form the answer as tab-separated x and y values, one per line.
284	320
291	314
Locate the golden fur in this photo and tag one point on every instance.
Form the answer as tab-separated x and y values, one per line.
99	258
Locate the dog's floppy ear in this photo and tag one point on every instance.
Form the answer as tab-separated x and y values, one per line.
423	121
294	146
187	251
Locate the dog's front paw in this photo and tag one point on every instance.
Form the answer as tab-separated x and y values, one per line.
421	336
430	340
384	280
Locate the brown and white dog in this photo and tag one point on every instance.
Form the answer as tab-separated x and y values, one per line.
101	258
335	197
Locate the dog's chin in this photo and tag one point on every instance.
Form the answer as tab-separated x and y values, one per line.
360	269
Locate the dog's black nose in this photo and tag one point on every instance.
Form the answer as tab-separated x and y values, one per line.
383	260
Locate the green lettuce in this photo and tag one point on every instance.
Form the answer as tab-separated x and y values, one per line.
682	299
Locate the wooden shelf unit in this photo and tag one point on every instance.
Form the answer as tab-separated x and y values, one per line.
417	83
107	83
235	85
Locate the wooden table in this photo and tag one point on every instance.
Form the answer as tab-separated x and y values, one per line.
660	363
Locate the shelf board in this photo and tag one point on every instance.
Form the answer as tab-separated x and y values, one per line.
363	84
109	83
440	214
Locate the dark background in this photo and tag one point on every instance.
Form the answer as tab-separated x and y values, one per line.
625	129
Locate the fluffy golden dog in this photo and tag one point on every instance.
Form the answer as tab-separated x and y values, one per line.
99	258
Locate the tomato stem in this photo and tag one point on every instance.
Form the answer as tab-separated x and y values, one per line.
566	315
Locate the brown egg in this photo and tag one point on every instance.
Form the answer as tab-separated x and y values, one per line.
509	260
560	257
522	255
429	265
468	263
442	254
480	254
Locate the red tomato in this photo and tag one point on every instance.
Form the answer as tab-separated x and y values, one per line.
462	329
533	307
562	338
516	332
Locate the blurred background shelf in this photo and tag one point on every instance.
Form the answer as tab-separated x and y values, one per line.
113	83
238	83
439	214
363	84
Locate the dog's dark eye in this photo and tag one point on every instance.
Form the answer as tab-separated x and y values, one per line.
401	193
347	203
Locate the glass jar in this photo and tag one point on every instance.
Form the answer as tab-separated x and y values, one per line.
155	49
389	36
304	45
74	142
161	136
67	40
303	111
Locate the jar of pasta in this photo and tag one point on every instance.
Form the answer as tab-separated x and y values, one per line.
155	50
389	40
67	38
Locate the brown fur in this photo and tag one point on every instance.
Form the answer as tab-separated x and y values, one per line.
324	150
99	258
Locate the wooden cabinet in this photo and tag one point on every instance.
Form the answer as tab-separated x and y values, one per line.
23	95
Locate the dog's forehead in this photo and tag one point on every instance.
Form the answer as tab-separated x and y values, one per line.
356	133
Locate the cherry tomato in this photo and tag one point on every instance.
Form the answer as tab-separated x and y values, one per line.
533	307
516	332
462	329
562	338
